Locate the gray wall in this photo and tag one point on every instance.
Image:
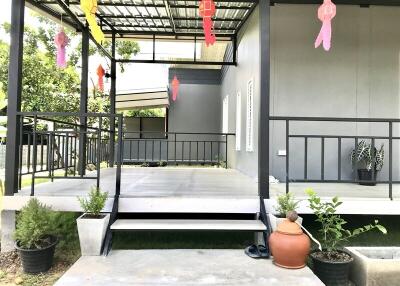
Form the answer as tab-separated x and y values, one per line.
359	77
235	79
198	106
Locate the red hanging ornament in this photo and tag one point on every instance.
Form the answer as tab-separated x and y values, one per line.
207	11
175	88
100	73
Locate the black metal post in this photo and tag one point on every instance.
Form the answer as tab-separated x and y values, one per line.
264	111
14	96
287	155
112	101
34	161
390	160
84	101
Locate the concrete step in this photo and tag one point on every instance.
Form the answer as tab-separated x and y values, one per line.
187	224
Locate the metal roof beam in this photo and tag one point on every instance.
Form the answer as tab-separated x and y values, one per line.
110	4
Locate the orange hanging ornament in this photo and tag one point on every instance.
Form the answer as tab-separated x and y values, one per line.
100	73
175	88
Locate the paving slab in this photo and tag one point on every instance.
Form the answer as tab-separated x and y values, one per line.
182	267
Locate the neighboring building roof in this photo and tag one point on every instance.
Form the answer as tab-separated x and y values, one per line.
142	99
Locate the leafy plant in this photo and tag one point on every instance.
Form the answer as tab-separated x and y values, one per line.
34	225
95	203
332	225
286	203
367	155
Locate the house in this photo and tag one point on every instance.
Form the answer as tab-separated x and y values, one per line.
261	101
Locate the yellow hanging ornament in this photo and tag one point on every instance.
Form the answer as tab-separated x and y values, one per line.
89	7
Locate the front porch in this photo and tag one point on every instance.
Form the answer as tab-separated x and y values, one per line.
201	189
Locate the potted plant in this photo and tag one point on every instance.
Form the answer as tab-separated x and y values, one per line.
92	225
368	161
35	239
331	263
285	204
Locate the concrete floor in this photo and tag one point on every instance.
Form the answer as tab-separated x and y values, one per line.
182	267
200	182
158	182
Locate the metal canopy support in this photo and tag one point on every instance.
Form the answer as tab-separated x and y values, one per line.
84	101
112	100
14	96
263	123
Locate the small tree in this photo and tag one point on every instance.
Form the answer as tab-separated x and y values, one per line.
95	203
332	225
34	226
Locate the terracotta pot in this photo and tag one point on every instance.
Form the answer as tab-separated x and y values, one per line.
289	245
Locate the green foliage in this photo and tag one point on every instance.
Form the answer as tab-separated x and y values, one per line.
95	203
286	203
367	156
64	224
155	112
34	225
46	87
332	225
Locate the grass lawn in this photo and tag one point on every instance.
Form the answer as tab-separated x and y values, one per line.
229	240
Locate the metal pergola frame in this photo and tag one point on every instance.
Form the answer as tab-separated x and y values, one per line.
167	31
155	20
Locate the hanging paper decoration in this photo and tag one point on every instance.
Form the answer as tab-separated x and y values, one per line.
175	88
100	73
61	40
89	7
207	11
326	12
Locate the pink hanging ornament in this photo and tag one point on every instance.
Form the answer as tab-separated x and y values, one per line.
326	12
175	88
61	40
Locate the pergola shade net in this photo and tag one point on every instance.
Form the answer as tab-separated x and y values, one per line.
142	99
159	17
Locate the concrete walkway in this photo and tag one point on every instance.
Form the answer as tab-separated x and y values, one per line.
182	267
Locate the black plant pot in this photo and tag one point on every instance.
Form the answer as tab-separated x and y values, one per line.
332	273
365	175
37	260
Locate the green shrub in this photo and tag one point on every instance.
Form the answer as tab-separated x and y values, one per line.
64	224
95	203
34	225
333	232
286	203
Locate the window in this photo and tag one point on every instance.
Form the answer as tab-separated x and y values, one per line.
238	120
250	117
225	116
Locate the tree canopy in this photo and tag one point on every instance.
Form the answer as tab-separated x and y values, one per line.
46	87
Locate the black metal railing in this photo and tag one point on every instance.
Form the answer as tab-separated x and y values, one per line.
43	152
176	147
386	126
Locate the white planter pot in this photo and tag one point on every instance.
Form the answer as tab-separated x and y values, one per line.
275	221
91	234
378	266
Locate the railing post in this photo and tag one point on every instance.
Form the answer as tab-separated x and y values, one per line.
66	154
119	158
98	151
390	160
34	155
287	156
226	151
175	147
21	150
